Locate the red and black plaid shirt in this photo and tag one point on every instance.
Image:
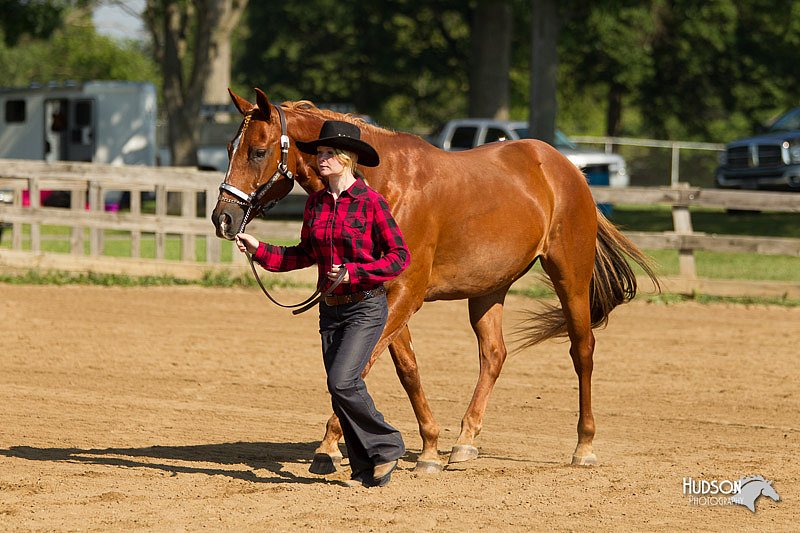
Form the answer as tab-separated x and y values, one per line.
356	230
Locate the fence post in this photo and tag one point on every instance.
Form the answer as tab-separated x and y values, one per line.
188	211
16	227
95	205
35	204
136	235
77	203
675	167
161	213
682	221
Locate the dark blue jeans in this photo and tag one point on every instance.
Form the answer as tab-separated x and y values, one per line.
349	334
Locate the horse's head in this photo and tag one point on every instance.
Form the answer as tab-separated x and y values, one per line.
261	167
769	491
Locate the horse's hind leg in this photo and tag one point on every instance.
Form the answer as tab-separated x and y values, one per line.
571	282
486	318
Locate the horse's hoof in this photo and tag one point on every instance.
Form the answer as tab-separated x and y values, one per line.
463	452
586	460
428	467
325	464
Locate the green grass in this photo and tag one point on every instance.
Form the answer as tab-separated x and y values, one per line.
733	266
659	218
210	279
224	279
56	239
717	265
712	265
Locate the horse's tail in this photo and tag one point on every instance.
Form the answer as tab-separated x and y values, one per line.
613	280
613	283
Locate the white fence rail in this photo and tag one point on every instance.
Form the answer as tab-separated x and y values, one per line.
674	148
197	238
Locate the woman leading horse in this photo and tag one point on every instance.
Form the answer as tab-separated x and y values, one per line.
475	222
349	233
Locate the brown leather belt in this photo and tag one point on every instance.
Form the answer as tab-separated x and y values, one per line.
341	299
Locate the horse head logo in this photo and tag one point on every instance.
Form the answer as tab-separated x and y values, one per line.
752	488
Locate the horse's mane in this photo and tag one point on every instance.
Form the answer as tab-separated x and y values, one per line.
307	107
748	479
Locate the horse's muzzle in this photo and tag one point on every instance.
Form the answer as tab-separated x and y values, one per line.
226	223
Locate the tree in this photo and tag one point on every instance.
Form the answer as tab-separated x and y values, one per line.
403	61
189	40
35	19
73	51
544	67
607	47
492	28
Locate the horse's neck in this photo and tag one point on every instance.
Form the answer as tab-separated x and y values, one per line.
386	178
306	177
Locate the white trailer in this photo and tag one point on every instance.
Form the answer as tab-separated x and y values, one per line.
112	122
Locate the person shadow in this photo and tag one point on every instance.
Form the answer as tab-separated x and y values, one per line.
260	462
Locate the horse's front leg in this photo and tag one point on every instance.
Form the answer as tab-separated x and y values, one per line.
327	456
405	363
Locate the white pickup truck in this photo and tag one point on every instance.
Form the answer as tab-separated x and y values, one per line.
599	168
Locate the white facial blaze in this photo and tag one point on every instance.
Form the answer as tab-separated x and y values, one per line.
235	145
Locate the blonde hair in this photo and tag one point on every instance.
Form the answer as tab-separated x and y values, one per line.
346	158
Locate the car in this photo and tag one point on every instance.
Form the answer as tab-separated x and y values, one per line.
599	168
768	161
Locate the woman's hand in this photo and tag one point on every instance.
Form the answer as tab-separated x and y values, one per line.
334	273
246	243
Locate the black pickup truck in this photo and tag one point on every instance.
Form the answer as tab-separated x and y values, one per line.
769	161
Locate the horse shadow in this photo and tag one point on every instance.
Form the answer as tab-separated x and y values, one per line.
238	460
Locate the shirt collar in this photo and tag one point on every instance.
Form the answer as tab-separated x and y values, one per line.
358	188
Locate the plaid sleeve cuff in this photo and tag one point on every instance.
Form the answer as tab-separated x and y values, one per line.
261	253
351	272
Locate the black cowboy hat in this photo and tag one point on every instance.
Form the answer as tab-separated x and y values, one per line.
338	134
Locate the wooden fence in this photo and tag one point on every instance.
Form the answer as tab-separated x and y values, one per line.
192	226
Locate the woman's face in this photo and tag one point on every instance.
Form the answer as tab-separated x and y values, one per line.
327	162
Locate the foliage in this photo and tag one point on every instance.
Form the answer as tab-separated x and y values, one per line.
676	69
707	299
190	41
403	61
34	19
209	279
689	70
225	280
650	68
74	52
69	49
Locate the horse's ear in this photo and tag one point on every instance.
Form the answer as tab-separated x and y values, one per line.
263	103
241	104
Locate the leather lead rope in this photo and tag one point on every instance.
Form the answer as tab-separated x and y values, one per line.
306	304
252	201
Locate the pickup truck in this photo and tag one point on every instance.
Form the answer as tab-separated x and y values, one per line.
770	161
599	168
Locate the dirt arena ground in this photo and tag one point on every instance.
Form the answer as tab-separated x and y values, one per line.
189	408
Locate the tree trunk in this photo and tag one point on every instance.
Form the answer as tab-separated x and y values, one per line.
492	26
614	112
208	23
544	69
219	78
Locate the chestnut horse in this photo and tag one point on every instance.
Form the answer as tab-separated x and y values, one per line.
475	222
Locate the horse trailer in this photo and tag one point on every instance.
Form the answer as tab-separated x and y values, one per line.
111	122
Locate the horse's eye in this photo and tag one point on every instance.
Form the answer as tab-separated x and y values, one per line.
259	153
